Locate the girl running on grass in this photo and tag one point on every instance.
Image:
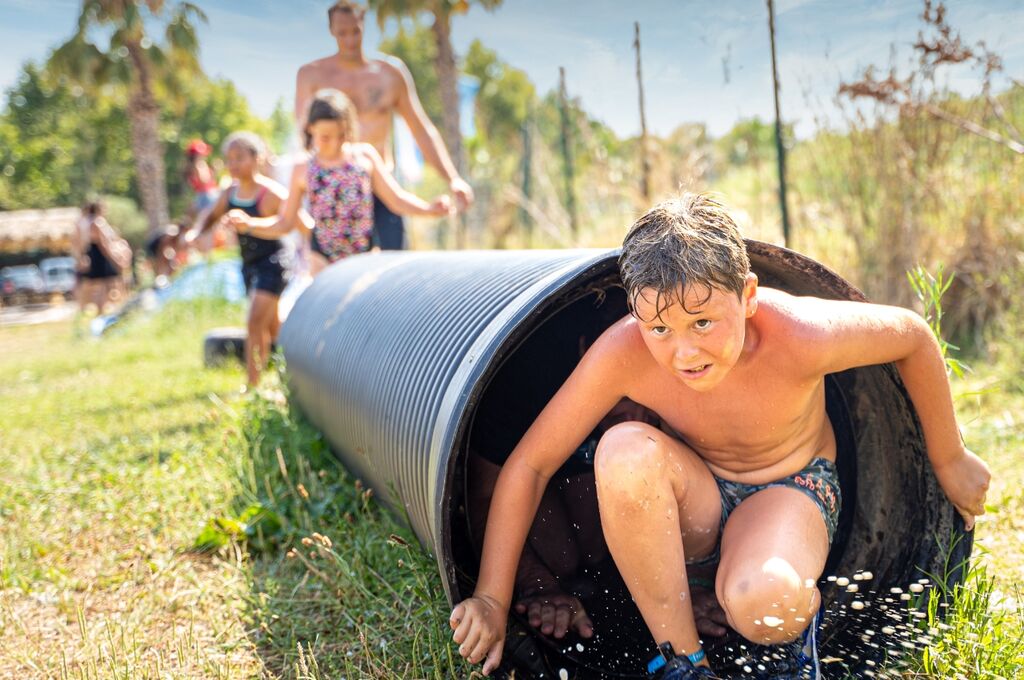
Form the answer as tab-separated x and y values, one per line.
267	261
340	179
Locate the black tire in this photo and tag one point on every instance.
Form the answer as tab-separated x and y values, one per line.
224	344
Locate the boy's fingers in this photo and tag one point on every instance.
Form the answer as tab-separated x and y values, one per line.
460	634
547	619
968	517
535	618
563	614
470	644
456	616
493	657
583	625
480	649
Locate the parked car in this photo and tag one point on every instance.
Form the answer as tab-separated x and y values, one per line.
22	283
58	275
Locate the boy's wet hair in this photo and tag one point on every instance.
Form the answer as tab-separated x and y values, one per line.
331	104
679	243
345	7
249	141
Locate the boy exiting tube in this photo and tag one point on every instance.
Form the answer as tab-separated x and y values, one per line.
743	473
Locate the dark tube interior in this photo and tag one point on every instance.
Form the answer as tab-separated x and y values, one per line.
532	368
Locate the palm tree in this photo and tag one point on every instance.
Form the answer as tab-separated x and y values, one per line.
447	75
147	68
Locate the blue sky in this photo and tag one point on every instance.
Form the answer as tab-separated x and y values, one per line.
703	61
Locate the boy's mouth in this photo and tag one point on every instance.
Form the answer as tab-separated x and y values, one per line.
695	372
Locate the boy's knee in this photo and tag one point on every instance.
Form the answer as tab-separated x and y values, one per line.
770	605
626	448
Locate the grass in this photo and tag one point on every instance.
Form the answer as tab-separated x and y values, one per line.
155	523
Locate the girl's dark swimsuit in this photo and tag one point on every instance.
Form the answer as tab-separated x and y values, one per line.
266	263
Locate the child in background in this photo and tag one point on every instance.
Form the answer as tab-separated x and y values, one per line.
199	176
340	178
266	261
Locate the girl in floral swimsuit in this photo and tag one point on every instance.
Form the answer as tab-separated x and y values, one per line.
340	179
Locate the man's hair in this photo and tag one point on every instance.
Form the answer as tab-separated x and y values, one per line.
345	7
331	104
249	141
680	243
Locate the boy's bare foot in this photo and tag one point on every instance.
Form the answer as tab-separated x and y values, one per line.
709	615
555	613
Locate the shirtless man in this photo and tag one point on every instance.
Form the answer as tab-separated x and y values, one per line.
737	373
378	88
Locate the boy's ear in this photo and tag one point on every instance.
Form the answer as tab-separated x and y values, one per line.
750	294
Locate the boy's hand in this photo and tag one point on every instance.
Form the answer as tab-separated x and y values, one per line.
479	625
965	481
556	613
441	206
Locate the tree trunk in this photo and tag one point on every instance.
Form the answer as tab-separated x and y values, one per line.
447	77
144	116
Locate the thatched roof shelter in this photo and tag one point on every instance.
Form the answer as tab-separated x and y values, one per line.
27	230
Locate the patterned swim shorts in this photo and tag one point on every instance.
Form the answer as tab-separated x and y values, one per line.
819	481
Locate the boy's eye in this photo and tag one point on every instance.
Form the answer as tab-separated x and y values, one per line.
702	324
659	330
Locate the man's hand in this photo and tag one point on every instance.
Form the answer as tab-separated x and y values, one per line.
462	192
556	613
965	480
479	625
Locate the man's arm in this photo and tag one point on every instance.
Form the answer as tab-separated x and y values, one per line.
427	137
593	388
303	93
850	334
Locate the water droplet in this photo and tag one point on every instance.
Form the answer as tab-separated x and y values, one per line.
563	674
842	581
857	604
916	588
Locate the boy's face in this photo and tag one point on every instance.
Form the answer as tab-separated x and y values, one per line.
699	346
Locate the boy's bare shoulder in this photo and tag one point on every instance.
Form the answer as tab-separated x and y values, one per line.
621	346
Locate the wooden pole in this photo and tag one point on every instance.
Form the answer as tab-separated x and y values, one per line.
524	215
645	162
779	147
570	191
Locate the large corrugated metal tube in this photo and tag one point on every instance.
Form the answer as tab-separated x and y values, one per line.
413	363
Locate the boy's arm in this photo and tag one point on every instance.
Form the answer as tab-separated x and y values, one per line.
851	334
594	387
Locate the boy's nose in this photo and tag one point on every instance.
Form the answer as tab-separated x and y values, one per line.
685	352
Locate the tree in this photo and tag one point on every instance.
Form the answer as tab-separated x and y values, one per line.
134	60
447	75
